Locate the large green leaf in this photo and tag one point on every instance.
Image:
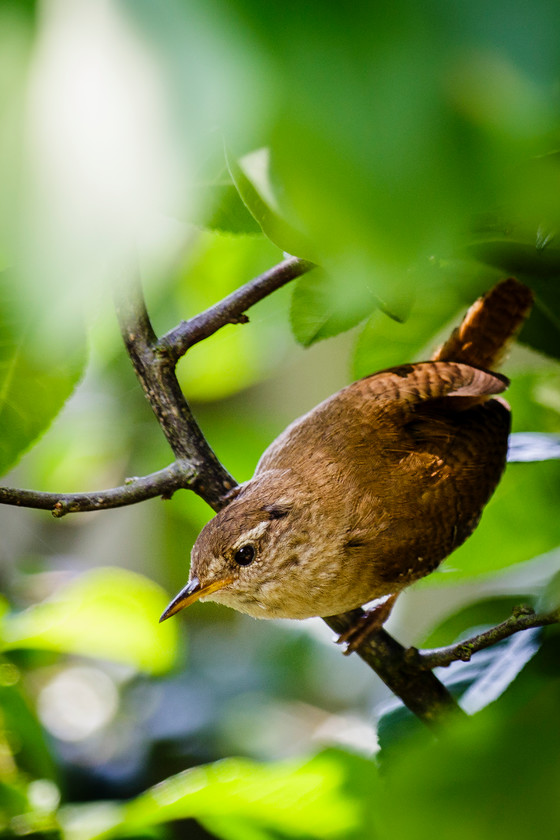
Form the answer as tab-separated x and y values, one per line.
109	613
35	381
494	776
237	798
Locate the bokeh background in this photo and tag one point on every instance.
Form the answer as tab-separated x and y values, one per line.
411	150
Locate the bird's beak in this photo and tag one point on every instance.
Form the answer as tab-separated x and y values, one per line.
191	593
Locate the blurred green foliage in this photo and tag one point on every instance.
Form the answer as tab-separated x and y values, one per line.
412	152
241	799
35	386
106	613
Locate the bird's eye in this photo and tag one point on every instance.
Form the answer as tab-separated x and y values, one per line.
244	555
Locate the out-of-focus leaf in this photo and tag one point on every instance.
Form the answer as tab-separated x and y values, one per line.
474	684
324	305
284	800
534	397
217	204
16	30
511	530
298	800
33	756
12	803
479	758
108	613
539	267
465	621
34	384
228	213
438	295
396	726
366	141
518	258
252	178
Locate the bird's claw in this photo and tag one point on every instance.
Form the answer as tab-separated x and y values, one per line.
367	624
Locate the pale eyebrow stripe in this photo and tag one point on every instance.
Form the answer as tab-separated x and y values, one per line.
253	534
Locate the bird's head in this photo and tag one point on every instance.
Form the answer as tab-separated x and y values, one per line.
247	554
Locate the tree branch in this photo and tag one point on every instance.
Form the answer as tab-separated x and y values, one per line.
196	466
156	374
523	618
408	673
162	483
418	688
231	309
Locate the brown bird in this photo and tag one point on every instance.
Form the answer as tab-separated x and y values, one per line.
374	487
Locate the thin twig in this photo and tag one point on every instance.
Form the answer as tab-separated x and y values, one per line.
231	309
523	618
162	483
154	362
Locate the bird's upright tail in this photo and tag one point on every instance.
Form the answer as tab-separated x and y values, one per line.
485	334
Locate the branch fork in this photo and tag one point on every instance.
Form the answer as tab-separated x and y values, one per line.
407	672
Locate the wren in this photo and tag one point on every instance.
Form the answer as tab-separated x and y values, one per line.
374	487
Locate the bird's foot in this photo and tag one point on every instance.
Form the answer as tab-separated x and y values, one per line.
367	624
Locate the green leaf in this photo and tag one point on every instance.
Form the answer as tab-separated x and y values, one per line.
511	529
519	258
292	798
494	776
464	622
324	305
252	178
35	382
539	267
228	213
437	294
17	717
314	799
475	684
109	613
